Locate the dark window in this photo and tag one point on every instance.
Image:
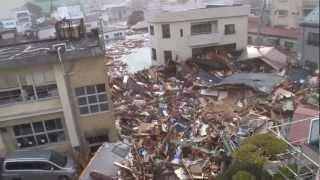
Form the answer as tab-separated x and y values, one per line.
92	100
47	91
181	32
313	39
154	54
38	133
249	39
288	44
229	29
167	56
28	166
165	31
283	13
80	91
202	28
151	30
7	97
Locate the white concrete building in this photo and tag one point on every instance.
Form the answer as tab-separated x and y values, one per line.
181	34
24	20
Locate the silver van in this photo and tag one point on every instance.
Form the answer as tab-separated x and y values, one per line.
38	165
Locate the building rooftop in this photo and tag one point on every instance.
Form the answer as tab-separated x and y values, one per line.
26	52
271	31
180	13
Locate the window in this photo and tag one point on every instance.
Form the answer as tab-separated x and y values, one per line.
92	99
34	165
288	44
10	96
39	133
201	28
96	139
313	39
165	31
229	29
151	30
181	32
283	13
167	56
154	54
249	40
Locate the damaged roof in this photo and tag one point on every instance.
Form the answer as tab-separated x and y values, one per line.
262	82
269	55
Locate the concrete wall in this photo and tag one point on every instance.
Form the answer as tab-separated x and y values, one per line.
91	72
181	47
294	9
308	52
47	33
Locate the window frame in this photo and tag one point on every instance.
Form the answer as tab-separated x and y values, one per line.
166	31
154	54
203	24
151	27
46	132
227	30
88	105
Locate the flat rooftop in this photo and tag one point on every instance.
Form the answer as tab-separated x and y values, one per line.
33	52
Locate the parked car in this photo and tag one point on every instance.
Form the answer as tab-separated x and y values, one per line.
38	165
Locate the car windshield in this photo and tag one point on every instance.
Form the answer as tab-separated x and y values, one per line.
58	159
121	150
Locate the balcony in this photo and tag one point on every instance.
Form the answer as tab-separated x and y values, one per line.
204	39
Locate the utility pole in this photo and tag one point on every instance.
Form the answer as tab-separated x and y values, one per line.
259	38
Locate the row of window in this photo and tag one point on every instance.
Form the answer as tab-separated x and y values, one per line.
39	133
313	39
196	29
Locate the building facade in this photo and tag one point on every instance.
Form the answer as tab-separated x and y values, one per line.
23	20
309	39
179	35
56	97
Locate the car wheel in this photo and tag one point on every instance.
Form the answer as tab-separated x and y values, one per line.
63	178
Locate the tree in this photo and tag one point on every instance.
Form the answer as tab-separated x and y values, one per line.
259	148
34	9
243	175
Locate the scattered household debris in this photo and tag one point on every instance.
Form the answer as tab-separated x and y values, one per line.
184	120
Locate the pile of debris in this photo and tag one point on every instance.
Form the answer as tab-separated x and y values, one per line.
184	120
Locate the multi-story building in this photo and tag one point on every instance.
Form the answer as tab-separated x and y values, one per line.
288	13
23	20
180	34
309	39
54	95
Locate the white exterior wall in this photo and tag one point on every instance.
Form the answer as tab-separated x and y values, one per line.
47	33
109	36
267	39
308	52
294	9
181	47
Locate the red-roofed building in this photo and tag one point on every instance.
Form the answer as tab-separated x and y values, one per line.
272	36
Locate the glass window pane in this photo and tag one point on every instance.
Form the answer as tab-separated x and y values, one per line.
91	90
104	107
24	142
53	124
42	139
56	136
22	129
92	99
82	101
84	110
94	108
80	91
101	88
102	97
38	127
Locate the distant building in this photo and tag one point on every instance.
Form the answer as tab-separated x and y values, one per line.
116	12
68	12
309	39
23	20
279	37
114	33
9	24
179	33
54	95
